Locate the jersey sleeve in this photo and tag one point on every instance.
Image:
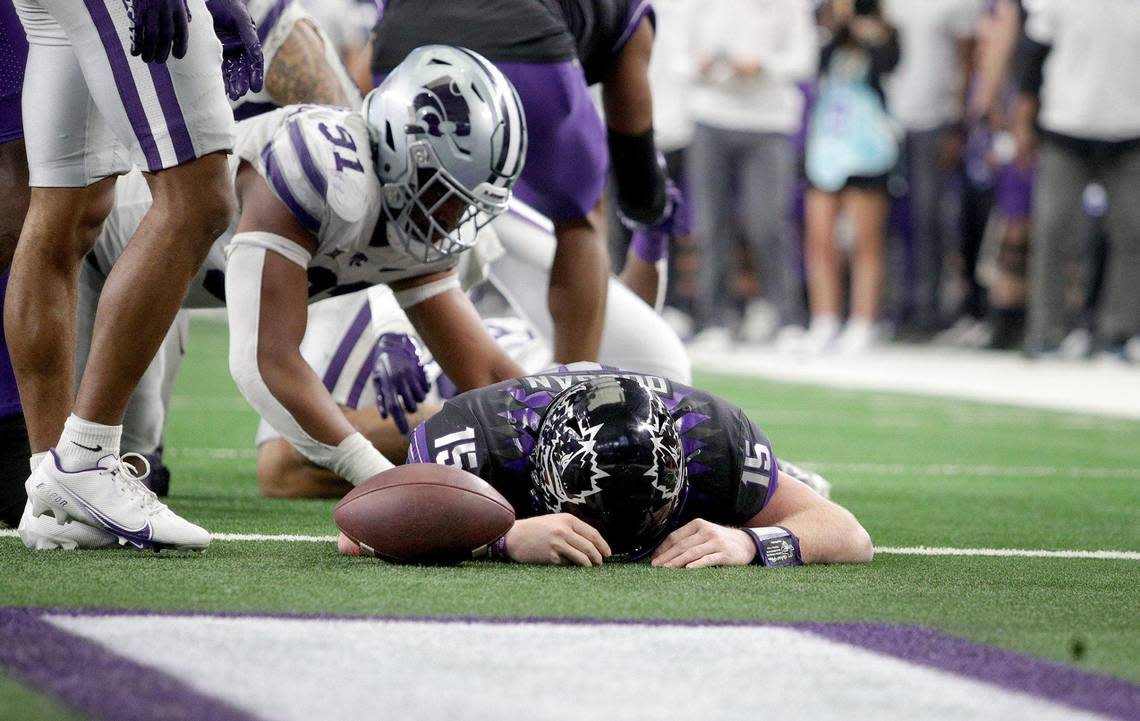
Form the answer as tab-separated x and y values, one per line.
452	437
632	12
317	161
759	474
731	466
285	157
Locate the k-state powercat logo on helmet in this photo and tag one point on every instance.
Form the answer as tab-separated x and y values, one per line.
441	109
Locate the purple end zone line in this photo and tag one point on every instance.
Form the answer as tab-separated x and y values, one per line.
1051	681
1014	671
86	676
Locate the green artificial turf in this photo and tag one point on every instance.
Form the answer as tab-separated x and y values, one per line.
914	470
18	703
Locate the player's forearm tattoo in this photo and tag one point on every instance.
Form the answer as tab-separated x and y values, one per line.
300	72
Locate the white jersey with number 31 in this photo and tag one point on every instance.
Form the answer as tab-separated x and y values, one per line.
318	161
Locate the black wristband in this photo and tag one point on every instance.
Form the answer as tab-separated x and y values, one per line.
639	178
776	547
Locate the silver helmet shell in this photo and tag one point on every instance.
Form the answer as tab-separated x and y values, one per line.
450	141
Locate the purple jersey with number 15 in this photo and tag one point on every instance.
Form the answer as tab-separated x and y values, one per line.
491	432
318	161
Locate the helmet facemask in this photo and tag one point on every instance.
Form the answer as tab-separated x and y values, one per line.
431	214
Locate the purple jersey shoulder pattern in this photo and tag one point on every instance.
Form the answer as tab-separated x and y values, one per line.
601	28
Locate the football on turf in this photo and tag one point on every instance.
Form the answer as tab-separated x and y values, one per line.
423	513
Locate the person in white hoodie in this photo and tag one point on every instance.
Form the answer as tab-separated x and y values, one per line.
748	57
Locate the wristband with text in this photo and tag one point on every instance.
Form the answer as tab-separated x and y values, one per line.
776	547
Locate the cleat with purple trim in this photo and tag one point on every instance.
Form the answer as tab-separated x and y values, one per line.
43	533
111	496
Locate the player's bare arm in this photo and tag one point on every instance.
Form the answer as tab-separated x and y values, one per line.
282	308
578	285
825	532
300	73
450	326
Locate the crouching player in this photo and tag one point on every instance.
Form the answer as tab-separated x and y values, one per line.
603	464
333	201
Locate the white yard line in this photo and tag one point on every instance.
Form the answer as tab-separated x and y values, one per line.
1005	552
967	469
891	550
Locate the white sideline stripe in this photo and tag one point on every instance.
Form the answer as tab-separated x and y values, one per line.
891	550
959	469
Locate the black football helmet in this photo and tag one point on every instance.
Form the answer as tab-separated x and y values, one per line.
608	451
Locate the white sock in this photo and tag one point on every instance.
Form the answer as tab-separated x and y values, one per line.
824	325
83	443
36	459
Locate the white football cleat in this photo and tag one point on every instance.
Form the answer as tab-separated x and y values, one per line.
112	497
43	533
812	480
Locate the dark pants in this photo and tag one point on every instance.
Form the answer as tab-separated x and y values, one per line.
930	232
753	172
1063	172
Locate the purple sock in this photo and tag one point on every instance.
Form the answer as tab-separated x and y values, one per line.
649	245
9	395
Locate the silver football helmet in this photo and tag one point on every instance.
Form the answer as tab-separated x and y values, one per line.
450	140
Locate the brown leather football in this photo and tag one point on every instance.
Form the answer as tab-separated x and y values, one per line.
423	513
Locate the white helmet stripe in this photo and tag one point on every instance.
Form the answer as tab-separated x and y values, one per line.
513	124
514	152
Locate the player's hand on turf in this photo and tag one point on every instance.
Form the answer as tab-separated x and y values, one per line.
243	68
557	539
699	543
399	378
346	546
159	28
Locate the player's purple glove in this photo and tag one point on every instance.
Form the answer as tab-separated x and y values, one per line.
399	378
159	28
243	68
651	242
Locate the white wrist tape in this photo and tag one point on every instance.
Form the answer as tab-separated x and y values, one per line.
418	294
356	460
272	242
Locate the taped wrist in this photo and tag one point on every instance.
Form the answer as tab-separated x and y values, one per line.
776	547
640	178
356	460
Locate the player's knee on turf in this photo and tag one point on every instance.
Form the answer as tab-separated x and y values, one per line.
282	472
